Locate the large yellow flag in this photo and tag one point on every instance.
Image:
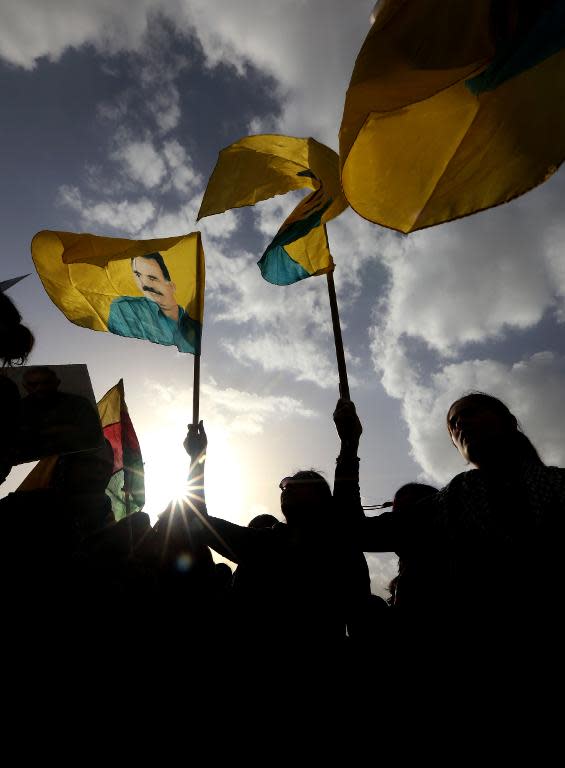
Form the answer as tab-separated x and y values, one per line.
453	107
144	289
259	167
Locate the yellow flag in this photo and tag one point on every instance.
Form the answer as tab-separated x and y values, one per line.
453	107
144	289
259	167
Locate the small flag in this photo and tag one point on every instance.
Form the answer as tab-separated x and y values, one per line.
143	289
453	107
259	167
5	284
126	487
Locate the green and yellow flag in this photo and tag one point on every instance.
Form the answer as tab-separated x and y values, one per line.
453	107
259	167
143	289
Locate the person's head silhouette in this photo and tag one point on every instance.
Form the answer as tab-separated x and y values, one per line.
486	433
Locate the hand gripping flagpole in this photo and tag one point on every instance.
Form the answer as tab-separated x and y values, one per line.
341	367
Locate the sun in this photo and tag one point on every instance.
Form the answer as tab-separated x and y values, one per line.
166	467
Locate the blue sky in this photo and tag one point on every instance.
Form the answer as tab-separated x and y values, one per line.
113	117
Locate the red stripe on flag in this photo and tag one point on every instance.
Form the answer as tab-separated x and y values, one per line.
113	433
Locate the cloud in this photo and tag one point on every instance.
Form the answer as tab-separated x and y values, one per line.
303	359
163	167
236	411
30	29
142	163
183	175
467	281
158	169
382	568
123	215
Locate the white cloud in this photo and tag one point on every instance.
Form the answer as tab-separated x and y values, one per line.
30	29
382	568
467	281
220	227
183	175
235	411
125	215
142	162
157	167
304	359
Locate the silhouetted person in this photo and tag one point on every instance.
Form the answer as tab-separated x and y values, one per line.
298	566
412	584
16	342
263	521
487	524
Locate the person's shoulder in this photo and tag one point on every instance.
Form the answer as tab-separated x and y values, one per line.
553	477
555	471
469	478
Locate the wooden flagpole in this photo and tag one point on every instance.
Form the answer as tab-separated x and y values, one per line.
196	391
196	382
341	367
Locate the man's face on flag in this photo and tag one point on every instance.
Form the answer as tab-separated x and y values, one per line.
150	279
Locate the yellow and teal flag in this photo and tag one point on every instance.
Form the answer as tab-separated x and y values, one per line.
143	289
453	107
259	167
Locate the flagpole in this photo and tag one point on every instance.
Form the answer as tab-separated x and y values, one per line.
341	367
198	349
196	391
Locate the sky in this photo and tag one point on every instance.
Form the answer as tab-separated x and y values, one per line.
114	112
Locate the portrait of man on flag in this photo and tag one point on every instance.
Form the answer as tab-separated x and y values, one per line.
156	315
141	289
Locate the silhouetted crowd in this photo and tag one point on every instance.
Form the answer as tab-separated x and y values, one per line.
479	560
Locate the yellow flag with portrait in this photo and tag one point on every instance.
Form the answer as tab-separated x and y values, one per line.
142	289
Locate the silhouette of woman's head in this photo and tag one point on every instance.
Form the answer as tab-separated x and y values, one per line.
410	494
304	497
486	432
16	341
262	521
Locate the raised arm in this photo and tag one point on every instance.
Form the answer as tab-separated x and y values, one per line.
196	445
235	542
346	482
370	534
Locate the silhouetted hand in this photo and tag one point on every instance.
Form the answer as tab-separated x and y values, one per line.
347	422
196	442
